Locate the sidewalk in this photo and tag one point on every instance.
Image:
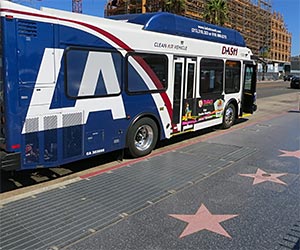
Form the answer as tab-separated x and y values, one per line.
255	198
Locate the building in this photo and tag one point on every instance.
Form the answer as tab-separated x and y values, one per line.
281	40
253	20
264	31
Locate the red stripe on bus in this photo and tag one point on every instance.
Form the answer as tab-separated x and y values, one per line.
167	103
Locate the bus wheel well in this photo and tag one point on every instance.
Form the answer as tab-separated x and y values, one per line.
234	102
230	114
142	135
152	117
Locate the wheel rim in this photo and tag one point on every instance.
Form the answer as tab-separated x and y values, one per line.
143	137
229	115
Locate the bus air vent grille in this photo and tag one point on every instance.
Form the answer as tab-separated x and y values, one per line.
32	125
26	28
50	122
73	119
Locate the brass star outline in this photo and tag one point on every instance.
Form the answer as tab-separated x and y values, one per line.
262	176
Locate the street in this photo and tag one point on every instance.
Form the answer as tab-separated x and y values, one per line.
272	89
219	189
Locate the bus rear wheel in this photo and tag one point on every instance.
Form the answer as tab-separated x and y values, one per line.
142	137
229	116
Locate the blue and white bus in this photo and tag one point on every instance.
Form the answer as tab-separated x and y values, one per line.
74	86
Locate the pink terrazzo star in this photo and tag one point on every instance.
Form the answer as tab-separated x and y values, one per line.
203	219
262	176
290	153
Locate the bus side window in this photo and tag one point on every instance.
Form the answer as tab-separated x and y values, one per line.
211	73
232	77
248	78
156	68
91	73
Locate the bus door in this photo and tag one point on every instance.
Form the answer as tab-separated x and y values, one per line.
184	93
249	89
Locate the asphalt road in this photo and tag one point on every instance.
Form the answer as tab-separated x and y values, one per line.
267	89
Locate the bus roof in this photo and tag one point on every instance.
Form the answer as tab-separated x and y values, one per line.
167	23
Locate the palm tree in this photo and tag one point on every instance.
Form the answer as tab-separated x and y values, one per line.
175	6
162	5
216	12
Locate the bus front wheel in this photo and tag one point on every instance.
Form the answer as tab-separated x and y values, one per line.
142	137
229	116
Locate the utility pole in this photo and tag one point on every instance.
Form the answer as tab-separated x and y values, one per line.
143	6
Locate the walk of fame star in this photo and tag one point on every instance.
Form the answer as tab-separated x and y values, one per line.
203	219
262	176
290	153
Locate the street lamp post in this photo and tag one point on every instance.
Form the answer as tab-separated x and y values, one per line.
263	51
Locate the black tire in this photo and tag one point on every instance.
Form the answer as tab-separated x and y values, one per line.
229	116
142	137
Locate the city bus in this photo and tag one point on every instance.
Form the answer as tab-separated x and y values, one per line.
74	86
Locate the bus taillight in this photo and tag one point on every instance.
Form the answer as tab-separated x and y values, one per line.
15	146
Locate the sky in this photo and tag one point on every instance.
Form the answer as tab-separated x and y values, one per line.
290	9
